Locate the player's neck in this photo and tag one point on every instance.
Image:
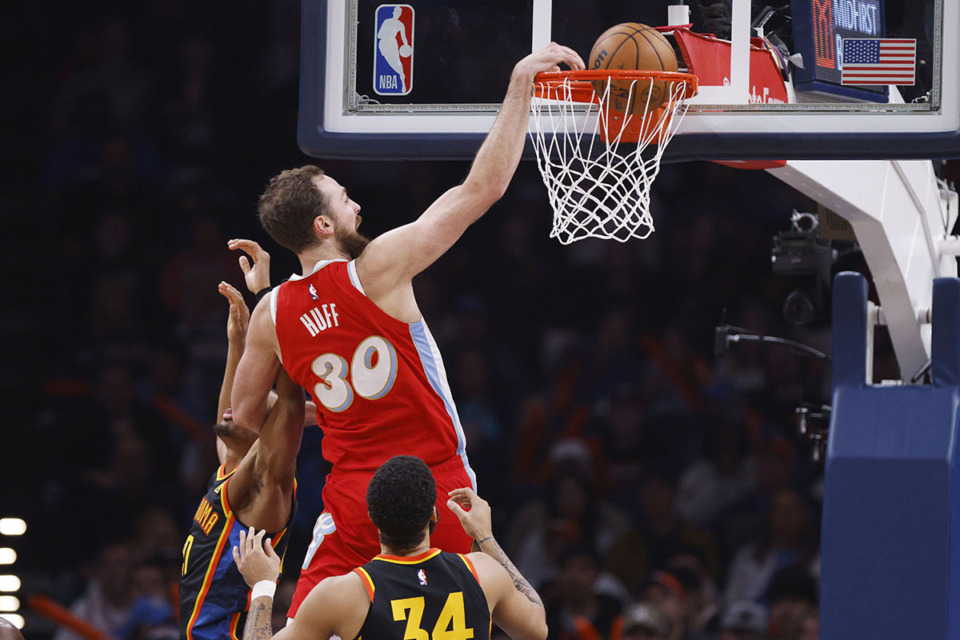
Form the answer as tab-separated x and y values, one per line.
233	452
423	547
327	251
231	460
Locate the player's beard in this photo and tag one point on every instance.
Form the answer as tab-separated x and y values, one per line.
230	430
352	241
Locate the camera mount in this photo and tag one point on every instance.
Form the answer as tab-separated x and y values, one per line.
802	254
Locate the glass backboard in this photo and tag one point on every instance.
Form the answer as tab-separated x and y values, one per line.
781	79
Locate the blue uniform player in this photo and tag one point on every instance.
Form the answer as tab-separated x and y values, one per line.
254	485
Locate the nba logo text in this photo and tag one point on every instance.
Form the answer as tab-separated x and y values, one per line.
393	50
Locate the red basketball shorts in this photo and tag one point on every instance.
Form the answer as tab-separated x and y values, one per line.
344	538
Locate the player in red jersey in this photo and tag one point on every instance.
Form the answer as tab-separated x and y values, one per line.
350	332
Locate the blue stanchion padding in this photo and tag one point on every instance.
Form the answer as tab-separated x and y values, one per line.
890	536
849	337
945	341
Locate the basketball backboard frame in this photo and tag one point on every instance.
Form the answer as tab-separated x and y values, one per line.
334	122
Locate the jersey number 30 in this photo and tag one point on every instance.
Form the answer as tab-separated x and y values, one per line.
451	624
372	372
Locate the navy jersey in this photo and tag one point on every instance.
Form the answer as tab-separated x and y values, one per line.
213	595
435	593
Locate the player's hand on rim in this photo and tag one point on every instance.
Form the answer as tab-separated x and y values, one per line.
473	512
257	275
255	557
238	318
549	58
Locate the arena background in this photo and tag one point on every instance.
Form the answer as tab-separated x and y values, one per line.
137	138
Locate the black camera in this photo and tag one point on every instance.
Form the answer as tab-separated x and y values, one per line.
807	258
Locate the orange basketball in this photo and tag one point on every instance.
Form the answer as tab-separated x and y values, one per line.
632	45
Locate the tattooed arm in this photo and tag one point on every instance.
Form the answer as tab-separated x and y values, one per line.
514	603
258	563
491	547
259	625
335	607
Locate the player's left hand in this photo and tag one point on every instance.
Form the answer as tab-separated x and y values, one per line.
256	558
239	317
257	275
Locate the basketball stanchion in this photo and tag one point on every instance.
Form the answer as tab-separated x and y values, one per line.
592	157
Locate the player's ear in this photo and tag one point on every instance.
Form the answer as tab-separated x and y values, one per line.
323	227
434	517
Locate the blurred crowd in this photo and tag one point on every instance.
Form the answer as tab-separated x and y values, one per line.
647	487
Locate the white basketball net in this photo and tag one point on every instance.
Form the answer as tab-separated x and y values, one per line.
600	188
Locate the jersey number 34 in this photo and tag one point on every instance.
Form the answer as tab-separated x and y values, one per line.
451	624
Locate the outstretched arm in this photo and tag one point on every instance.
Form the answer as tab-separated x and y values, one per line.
237	320
515	604
276	458
256	274
257	370
261	489
398	255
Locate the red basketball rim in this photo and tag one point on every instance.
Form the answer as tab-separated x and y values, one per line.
581	87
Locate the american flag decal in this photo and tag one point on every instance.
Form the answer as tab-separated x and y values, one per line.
874	61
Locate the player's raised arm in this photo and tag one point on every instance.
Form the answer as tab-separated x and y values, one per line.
280	437
400	254
238	319
257	370
515	605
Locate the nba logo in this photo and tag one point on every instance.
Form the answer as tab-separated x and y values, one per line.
422	577
393	50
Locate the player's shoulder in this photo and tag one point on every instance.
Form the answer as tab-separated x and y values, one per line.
494	581
263	310
345	594
337	593
479	557
485	566
343	587
337	605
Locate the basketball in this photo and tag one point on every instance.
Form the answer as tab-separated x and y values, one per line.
405	50
632	45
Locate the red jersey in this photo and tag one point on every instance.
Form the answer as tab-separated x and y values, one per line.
380	390
379	384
